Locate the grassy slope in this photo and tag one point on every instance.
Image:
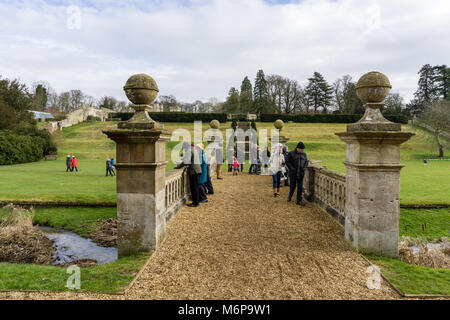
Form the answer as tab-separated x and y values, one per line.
47	180
112	277
412	279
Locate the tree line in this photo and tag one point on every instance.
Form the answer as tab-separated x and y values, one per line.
277	94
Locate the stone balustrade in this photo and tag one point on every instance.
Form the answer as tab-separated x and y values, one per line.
327	189
177	191
177	188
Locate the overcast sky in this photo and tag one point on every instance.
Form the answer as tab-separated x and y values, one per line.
197	49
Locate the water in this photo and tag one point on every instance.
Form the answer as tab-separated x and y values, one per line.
70	246
430	245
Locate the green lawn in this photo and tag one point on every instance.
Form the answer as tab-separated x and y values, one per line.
412	279
427	224
48	181
112	277
82	221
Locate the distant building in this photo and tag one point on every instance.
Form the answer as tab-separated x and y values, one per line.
42	116
176	109
157	107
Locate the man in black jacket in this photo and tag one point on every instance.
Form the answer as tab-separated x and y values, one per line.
297	162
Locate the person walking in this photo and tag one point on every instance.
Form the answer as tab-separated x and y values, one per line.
276	162
253	159
191	160
69	163
74	163
297	162
112	166
236	166
108	167
230	155
265	160
200	148
219	160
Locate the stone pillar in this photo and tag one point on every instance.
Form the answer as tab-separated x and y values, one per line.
140	165
373	172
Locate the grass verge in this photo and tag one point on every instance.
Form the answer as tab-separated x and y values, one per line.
82	221
410	279
428	224
113	277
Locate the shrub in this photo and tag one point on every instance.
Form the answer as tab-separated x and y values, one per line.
27	144
175	116
93	118
325	118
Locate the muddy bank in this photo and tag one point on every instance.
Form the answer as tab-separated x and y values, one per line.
106	233
20	241
422	253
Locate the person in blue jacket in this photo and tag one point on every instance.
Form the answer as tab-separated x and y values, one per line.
204	175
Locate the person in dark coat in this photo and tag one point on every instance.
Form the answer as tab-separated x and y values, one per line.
108	167
191	160
297	162
208	184
69	164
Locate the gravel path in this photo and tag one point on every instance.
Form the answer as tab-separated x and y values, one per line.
246	244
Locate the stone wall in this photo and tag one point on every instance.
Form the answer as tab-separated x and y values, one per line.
327	189
76	117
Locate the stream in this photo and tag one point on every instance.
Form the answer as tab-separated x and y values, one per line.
70	246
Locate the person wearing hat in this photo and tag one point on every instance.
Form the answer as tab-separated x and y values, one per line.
297	162
69	163
74	163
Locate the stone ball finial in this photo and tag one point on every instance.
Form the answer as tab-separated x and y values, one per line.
278	124
214	124
141	89
373	87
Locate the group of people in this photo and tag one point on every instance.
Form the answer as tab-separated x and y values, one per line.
110	167
280	164
198	169
71	163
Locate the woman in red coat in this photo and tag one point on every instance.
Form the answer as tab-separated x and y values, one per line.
74	163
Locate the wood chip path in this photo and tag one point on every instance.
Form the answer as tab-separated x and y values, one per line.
246	244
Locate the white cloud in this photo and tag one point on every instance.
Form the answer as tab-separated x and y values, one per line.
199	49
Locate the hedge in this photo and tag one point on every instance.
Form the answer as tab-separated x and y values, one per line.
325	118
175	116
25	145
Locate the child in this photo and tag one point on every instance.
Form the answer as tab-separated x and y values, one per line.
236	166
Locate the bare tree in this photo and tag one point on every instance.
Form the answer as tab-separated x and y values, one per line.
76	99
437	116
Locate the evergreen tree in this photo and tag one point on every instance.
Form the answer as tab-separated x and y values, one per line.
261	102
441	81
40	98
232	104
319	93
246	97
426	91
